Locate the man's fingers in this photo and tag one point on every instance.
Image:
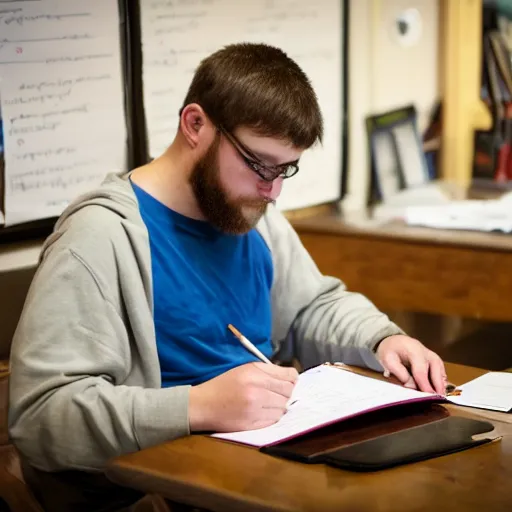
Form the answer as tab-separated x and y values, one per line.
391	362
411	384
275	401
420	372
437	374
284	373
279	387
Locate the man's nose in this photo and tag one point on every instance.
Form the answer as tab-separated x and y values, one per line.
270	189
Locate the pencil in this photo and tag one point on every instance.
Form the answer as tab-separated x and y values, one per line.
248	345
450	388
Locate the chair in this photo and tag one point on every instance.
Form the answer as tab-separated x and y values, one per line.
15	496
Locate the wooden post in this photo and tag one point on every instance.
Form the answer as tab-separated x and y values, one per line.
463	110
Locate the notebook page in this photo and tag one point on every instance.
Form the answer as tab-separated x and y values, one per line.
324	395
490	391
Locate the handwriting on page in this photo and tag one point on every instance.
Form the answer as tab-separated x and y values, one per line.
61	97
172	46
177	34
324	395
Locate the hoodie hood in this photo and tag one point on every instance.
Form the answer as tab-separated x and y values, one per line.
115	194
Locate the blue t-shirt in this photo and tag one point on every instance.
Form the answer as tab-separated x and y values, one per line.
204	280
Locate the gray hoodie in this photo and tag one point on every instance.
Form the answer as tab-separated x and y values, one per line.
86	385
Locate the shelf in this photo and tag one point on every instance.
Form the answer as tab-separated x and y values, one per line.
18	256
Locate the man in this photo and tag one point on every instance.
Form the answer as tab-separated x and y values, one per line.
123	342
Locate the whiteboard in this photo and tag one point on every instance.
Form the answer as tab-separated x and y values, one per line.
177	34
61	102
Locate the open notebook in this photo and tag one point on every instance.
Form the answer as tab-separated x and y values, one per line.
326	394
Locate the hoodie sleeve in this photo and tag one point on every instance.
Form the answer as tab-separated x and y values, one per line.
315	318
71	355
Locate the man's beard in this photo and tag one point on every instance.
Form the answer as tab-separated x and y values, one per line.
232	216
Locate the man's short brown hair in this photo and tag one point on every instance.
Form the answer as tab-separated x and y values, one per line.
260	87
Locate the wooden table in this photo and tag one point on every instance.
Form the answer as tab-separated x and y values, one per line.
404	268
221	476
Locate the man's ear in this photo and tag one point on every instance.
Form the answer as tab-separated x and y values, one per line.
194	125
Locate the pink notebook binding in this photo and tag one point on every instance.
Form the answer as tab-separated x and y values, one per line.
325	395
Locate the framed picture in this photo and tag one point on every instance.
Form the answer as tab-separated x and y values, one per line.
396	150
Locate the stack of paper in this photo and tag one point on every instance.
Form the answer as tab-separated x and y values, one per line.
325	395
486	215
490	391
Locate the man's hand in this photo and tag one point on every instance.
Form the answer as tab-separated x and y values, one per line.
412	363
247	397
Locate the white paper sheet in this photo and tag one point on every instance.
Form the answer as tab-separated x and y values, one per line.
474	215
323	395
490	391
386	165
177	35
62	104
411	156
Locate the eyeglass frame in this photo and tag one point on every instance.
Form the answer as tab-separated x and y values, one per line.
251	160
255	164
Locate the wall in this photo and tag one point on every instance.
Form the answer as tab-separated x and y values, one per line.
382	75
385	73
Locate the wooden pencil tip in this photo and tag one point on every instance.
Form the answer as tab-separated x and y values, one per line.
450	387
234	330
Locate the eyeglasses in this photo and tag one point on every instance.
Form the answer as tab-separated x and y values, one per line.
265	172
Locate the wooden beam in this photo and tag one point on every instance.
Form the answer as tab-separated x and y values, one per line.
463	110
